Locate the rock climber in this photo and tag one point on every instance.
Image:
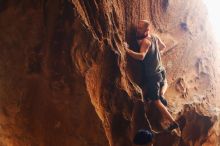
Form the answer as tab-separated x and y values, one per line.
155	82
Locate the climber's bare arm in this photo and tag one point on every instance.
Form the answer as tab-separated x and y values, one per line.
162	46
143	50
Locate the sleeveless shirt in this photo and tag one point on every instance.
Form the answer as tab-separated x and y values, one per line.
152	62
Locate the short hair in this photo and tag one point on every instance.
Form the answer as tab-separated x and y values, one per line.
146	23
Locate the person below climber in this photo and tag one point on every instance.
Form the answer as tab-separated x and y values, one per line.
155	82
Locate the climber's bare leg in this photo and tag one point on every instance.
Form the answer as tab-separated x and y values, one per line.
164	110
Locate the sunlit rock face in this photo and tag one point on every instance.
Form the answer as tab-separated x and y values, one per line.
65	79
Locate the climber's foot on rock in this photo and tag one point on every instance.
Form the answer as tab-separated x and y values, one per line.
172	126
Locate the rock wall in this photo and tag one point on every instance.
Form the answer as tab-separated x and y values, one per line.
65	79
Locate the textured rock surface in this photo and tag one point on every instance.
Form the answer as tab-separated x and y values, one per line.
65	79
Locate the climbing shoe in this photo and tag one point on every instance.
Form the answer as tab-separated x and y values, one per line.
163	100
174	125
143	137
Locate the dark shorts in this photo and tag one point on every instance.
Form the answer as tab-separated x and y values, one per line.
152	86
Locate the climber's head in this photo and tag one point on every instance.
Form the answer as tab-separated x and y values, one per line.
142	28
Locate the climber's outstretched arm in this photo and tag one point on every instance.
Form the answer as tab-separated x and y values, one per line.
162	46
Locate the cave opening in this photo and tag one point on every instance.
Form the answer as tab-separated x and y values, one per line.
214	16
